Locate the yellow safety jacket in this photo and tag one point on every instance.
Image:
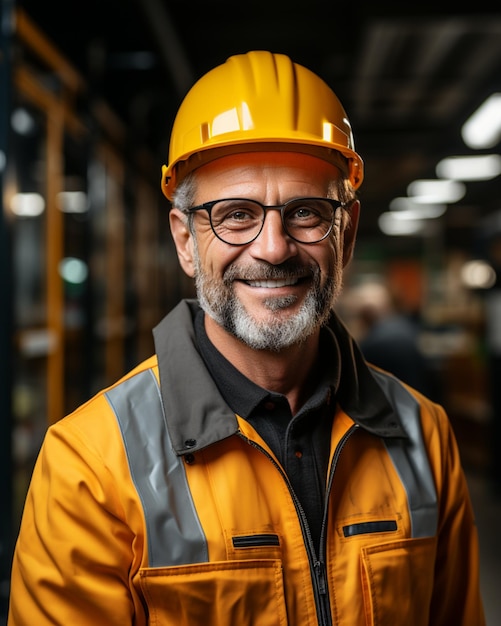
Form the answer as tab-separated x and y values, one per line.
154	504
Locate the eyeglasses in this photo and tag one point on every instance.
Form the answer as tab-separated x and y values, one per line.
238	221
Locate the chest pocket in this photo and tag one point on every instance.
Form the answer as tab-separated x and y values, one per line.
397	581
224	593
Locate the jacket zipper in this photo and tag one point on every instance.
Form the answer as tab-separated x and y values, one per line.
323	602
317	565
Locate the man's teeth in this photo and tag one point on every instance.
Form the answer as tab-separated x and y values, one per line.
272	284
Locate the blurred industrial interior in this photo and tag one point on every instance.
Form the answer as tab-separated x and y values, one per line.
88	92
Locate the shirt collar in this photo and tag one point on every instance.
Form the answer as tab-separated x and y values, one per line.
243	395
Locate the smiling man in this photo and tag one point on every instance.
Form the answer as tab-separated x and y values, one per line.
256	471
262	290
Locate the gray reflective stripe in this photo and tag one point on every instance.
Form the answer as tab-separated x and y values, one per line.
411	460
174	533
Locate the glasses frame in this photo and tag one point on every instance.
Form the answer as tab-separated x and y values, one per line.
207	206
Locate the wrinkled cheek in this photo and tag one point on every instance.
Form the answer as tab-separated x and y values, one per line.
331	280
334	265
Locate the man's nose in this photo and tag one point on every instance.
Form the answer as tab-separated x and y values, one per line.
273	244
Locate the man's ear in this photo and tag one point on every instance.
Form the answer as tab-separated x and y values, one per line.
183	240
350	233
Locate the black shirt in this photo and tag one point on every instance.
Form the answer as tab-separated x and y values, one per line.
300	442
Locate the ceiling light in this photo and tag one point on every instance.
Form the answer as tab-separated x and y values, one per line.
436	191
476	167
72	201
403	203
408	208
483	128
73	270
391	224
478	274
22	121
27	204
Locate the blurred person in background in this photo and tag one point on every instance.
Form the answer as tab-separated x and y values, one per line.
255	470
390	338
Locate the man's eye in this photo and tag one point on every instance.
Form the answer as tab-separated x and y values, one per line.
238	216
302	213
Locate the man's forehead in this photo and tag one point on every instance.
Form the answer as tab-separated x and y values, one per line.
270	176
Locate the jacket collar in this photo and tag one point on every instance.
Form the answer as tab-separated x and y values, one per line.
197	415
359	394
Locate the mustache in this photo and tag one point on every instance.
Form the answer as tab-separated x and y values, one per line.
260	270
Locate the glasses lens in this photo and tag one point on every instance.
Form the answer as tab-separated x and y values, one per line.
308	220
237	221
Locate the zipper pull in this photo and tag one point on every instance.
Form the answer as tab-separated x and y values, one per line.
320	574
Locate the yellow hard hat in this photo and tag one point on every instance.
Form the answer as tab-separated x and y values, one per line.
259	101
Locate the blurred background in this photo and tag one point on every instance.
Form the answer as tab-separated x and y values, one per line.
88	93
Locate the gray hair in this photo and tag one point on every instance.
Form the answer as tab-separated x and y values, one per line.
184	197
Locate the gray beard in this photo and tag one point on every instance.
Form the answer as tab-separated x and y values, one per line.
219	301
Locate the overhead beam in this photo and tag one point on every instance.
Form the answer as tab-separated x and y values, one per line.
168	43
